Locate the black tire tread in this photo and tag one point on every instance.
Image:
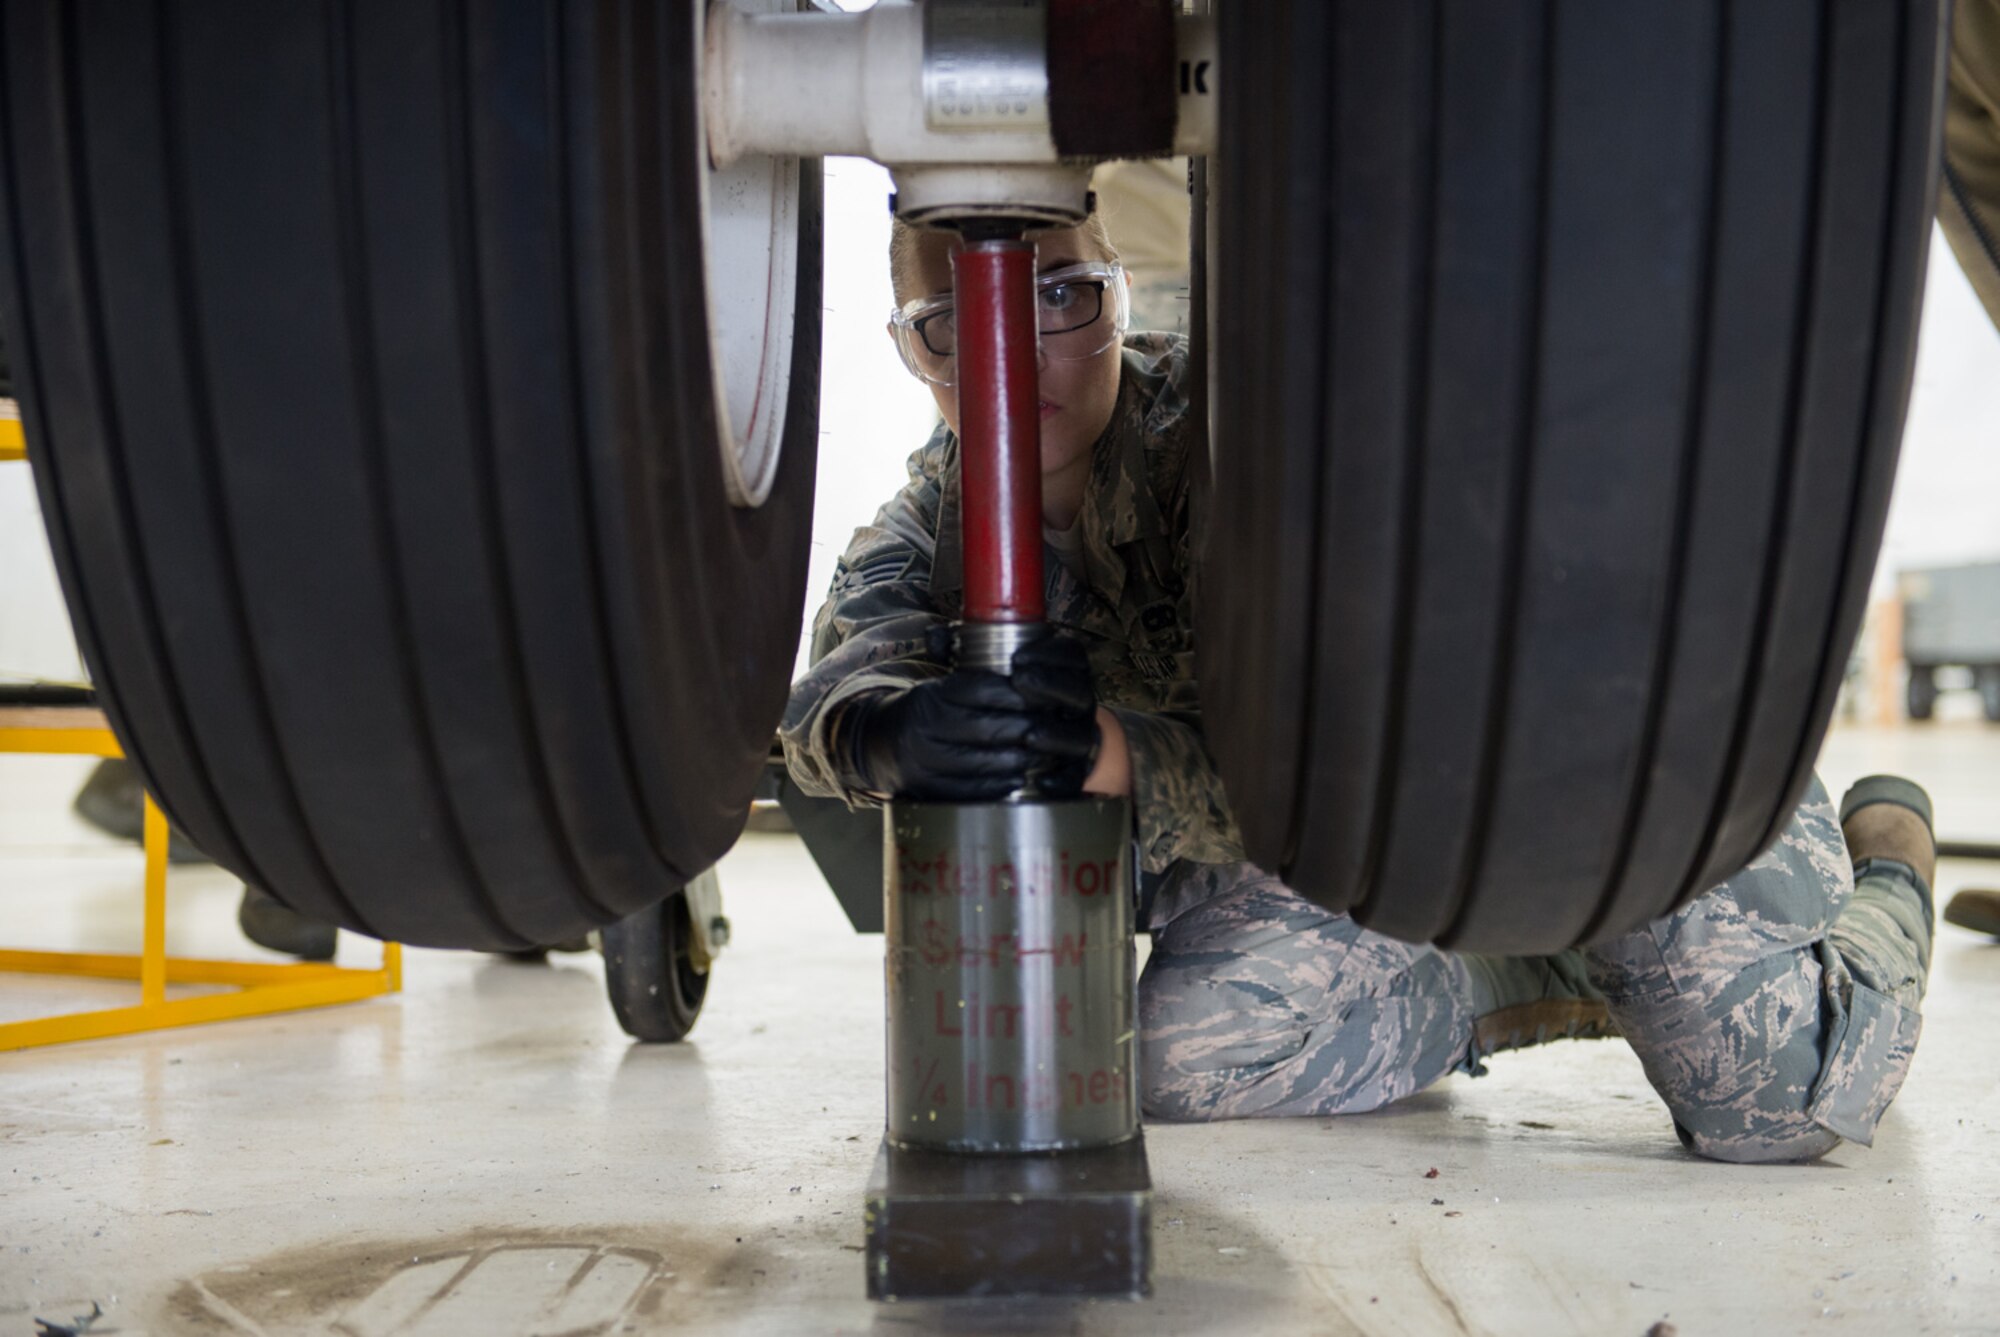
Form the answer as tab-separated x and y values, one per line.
431	671
1527	689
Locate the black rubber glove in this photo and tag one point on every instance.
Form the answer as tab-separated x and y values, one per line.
1052	675
957	739
977	737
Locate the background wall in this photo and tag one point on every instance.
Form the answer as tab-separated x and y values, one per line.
873	415
34	629
1947	502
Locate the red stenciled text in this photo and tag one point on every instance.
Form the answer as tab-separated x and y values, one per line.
940	873
939	946
991	1021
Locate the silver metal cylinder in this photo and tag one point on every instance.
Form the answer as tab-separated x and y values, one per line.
986	66
945	84
988	647
1011	993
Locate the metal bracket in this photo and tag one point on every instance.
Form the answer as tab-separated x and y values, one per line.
946	84
711	930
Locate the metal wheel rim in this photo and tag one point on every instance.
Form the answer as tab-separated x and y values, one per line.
750	242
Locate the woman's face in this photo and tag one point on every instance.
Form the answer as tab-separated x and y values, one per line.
1077	395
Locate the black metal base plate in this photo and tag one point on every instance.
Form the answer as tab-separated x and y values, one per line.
946	1226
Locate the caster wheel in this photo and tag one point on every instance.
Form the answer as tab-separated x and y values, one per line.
656	965
1987	680
1920	693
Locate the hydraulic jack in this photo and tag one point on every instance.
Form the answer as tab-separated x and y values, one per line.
1012	1162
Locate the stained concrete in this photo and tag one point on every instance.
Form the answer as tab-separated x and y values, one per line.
486	1154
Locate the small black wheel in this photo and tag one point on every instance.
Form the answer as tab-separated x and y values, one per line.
1987	677
650	971
1920	695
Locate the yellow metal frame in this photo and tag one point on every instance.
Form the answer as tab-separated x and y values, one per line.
260	988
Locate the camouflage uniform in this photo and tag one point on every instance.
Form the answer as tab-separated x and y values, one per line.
1775	1015
901	580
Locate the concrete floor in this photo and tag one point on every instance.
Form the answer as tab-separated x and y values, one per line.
491	1138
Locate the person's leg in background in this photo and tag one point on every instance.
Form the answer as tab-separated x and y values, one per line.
113	801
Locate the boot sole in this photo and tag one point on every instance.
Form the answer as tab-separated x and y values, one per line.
1976	909
1528	1024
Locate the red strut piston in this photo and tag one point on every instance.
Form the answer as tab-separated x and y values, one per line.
999	431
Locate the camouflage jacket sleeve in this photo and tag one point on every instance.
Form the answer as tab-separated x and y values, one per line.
1177	797
1969	194
874	632
1140	542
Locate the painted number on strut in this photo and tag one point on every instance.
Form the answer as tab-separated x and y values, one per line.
1194	76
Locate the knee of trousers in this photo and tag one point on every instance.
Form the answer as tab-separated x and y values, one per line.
1194	1062
1785	1063
1367	1055
1797	1138
1184	1096
1166	1092
1262	1004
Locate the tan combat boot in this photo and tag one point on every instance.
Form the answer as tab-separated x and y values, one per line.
1888	817
1887	822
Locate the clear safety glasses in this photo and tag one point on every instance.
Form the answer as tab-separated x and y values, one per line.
1081	311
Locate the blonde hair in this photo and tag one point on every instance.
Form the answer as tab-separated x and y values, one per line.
906	242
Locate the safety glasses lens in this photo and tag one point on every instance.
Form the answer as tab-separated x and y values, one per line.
1078	312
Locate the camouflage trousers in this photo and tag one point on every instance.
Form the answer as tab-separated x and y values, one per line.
1774	1015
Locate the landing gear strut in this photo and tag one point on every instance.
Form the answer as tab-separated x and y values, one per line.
1012	1163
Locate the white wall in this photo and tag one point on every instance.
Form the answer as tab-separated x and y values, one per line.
1946	506
873	414
34	629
